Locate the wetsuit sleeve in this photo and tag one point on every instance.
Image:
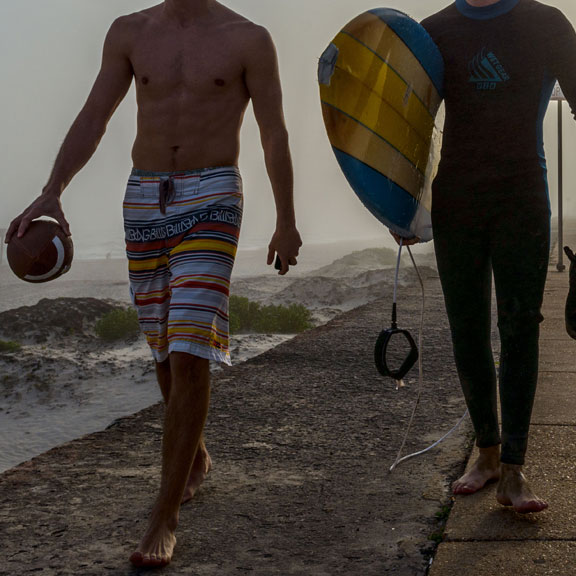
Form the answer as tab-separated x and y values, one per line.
562	56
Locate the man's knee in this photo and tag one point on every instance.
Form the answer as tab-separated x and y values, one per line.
513	323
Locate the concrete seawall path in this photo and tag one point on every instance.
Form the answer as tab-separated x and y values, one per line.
483	538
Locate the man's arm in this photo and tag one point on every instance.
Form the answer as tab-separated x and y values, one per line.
562	52
109	89
263	82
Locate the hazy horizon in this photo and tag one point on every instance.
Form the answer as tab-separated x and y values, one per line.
51	54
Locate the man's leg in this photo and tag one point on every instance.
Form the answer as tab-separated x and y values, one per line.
520	262
462	253
202	462
194	322
184	420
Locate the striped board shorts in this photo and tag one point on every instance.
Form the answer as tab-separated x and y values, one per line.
182	232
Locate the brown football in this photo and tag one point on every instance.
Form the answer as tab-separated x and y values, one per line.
42	254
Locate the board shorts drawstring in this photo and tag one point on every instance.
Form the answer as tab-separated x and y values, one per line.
167	192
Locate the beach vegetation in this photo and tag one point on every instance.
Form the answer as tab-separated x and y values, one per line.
444	512
442	516
9	346
118	324
250	317
437	537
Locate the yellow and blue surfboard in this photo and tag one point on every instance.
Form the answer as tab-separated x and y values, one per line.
381	86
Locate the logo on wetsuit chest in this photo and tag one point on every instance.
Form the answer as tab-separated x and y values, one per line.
486	71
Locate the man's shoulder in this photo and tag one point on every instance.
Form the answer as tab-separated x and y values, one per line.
541	10
437	21
538	6
242	25
124	25
537	16
244	33
124	31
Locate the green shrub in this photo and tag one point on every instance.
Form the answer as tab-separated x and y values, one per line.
119	324
247	316
8	346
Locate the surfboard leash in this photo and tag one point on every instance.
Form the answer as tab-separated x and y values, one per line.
399	458
420	366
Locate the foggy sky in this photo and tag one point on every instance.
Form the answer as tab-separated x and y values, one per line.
50	54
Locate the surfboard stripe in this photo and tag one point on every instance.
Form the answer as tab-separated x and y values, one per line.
420	42
385	43
361	62
392	205
419	87
326	106
354	99
357	141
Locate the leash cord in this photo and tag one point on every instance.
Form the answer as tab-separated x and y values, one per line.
398	270
404	458
399	457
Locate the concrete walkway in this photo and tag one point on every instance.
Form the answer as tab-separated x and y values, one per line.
484	539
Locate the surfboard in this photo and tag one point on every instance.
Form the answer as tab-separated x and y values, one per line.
381	87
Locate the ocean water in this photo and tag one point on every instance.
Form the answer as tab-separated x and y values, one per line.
99	277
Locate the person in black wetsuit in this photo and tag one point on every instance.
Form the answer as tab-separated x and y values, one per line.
491	214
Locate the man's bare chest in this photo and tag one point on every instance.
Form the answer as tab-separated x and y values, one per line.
203	64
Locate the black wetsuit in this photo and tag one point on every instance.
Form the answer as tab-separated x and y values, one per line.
490	206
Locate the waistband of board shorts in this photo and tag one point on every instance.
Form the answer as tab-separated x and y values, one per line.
196	172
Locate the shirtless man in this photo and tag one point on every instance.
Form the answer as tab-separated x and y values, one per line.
196	65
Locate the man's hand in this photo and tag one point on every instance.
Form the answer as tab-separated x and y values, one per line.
44	205
286	243
405	241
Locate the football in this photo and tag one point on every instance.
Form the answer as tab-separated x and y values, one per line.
42	254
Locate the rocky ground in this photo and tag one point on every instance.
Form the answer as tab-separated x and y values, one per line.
302	439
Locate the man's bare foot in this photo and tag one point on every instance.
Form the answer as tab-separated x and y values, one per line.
486	469
155	549
513	490
200	469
